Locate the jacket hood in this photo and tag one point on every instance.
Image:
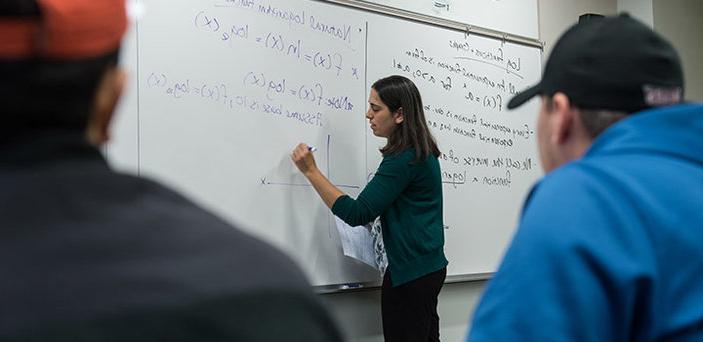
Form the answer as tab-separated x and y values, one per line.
676	131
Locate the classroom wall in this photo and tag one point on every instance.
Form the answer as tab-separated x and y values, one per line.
640	9
555	16
680	22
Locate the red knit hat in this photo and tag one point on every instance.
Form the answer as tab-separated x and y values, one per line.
65	29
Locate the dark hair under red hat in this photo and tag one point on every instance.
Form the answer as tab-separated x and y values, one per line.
65	29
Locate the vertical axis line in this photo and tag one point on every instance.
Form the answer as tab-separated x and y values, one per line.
329	176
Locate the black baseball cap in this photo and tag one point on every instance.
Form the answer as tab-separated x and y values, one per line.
614	63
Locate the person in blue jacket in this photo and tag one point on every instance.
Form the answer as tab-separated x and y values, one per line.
610	243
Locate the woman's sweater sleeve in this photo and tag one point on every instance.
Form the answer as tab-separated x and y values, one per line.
392	177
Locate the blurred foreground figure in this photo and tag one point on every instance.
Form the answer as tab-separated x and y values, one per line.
87	254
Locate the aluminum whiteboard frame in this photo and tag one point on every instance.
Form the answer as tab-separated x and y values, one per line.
468	29
373	286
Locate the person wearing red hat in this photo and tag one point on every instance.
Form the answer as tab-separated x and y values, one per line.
609	244
88	254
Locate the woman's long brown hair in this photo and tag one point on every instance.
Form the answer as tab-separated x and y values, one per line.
398	92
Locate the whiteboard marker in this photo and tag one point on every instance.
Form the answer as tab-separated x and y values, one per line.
312	148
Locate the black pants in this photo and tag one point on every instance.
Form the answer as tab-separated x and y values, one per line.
409	311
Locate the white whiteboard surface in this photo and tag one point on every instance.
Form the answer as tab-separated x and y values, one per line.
222	90
511	16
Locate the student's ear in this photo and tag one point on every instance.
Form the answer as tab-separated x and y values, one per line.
398	116
105	101
561	119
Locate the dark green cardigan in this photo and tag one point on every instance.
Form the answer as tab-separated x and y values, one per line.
408	196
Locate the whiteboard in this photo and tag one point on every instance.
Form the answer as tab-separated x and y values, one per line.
222	90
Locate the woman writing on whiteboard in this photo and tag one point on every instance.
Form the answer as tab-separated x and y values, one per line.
406	191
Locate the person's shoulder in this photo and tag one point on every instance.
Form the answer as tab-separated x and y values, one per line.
222	246
305	317
395	163
568	199
574	178
403	156
584	206
256	315
407	157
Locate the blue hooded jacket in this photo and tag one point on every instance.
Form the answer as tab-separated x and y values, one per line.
610	246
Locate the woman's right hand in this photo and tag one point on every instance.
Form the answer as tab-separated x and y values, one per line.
303	159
